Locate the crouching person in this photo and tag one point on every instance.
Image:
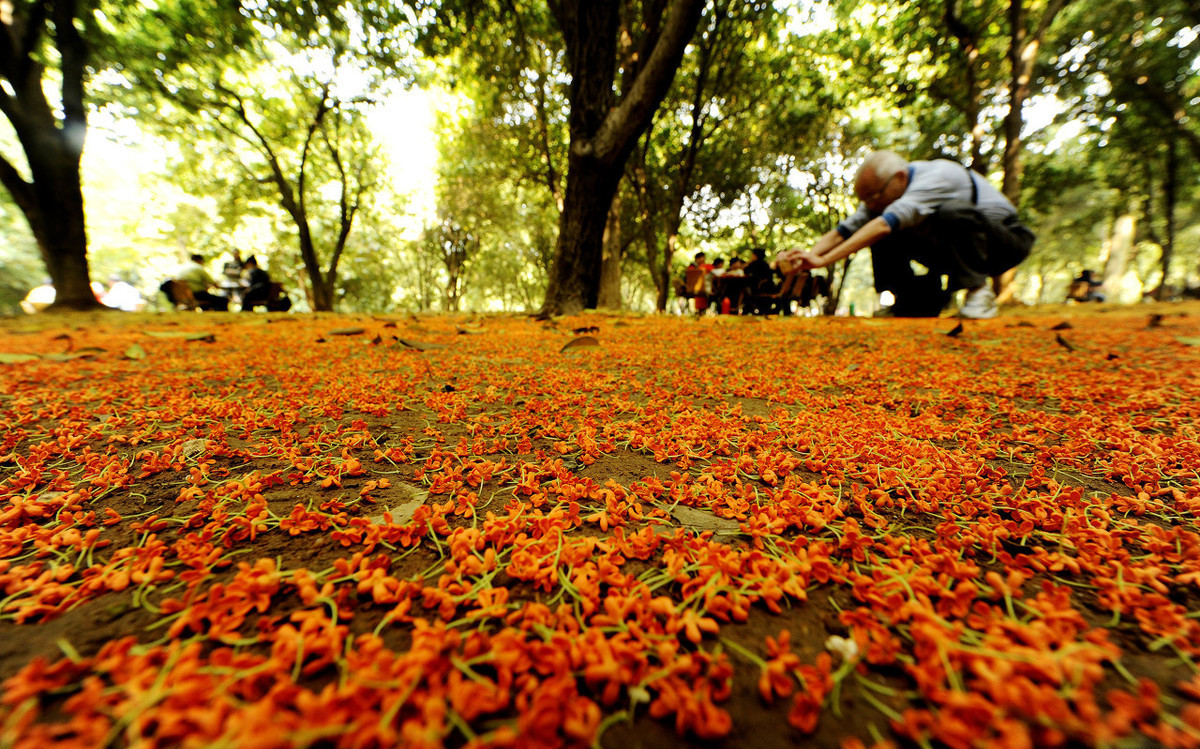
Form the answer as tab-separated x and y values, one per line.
938	213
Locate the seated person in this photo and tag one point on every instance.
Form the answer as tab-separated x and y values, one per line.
258	285
1086	288
196	277
260	291
761	283
937	213
712	283
759	273
693	281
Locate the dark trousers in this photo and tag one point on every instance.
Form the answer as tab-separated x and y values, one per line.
211	302
957	241
256	296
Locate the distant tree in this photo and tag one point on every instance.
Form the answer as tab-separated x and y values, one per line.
285	106
1129	72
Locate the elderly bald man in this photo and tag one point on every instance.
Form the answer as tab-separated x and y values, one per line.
938	213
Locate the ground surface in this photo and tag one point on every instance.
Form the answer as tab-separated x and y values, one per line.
296	531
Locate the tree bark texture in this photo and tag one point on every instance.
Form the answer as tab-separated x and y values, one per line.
52	201
603	135
575	273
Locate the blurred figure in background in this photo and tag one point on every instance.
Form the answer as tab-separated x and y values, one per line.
38	298
122	296
195	275
1086	289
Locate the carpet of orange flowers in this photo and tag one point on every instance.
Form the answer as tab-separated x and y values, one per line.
374	532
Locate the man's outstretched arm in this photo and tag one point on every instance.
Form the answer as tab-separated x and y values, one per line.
831	247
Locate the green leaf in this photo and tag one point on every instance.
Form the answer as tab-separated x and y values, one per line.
209	337
135	352
17	358
1188	340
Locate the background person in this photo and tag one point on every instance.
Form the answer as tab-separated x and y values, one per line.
39	298
938	213
258	285
693	281
195	275
122	296
1086	288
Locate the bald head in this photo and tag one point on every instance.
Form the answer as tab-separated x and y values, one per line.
882	178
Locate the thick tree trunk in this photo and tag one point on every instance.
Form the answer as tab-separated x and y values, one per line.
320	291
602	136
51	137
575	274
610	263
58	224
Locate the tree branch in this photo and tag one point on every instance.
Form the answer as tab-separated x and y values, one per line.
73	51
287	196
23	59
628	118
323	108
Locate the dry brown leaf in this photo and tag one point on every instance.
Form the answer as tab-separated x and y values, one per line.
583	341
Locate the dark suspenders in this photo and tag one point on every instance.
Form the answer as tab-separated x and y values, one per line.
974	187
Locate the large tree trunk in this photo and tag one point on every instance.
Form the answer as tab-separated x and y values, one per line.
320	291
58	224
52	139
575	274
602	136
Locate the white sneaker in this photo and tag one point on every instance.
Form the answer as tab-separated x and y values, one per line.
980	304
